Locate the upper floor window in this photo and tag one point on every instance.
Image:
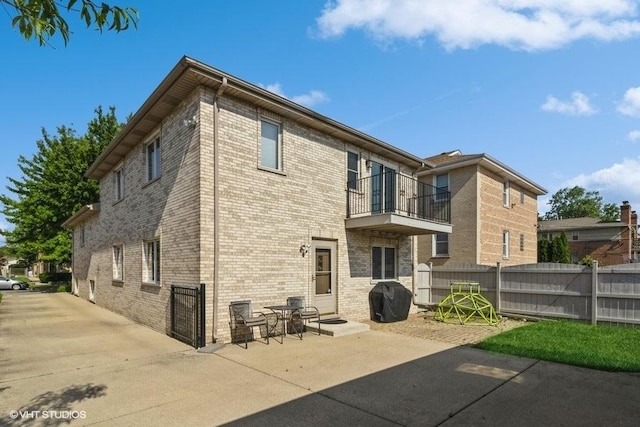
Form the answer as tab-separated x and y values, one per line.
575	236
522	197
383	262
118	262
441	182
153	159
441	244
505	194
118	178
353	170
152	261
270	145
522	242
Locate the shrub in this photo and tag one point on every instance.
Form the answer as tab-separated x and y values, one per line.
55	277
64	288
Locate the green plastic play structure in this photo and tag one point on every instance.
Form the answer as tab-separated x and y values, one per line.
465	302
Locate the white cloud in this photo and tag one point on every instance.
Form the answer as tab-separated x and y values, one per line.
630	105
618	182
463	24
313	97
634	135
578	106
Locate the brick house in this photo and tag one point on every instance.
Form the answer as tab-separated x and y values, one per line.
218	181
608	242
493	212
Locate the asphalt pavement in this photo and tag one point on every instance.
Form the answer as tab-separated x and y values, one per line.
65	361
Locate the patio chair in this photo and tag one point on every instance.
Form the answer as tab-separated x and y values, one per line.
243	319
302	314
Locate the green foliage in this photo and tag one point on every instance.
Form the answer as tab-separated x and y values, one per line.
609	348
54	277
576	202
587	260
63	288
52	188
556	250
42	19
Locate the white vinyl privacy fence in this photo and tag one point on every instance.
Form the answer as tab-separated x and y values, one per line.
599	294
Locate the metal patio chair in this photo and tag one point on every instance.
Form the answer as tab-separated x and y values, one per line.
302	314
243	319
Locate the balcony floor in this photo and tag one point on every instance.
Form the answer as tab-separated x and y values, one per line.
393	223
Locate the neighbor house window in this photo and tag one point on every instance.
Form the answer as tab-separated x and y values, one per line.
153	159
152	261
383	262
505	194
270	145
118	262
575	236
505	244
118	177
441	182
441	244
522	242
353	170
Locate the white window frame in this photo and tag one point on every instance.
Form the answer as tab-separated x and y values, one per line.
383	262
352	182
505	244
437	253
505	193
118	183
153	157
151	261
118	262
441	195
278	146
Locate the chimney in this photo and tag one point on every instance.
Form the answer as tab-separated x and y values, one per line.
627	234
625	213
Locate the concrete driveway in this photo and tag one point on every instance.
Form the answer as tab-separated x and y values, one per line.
66	361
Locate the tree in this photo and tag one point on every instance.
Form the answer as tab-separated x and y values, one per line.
555	250
42	19
53	187
576	202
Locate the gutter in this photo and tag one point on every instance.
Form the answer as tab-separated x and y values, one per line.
216	207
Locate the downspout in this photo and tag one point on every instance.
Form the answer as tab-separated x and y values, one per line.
216	208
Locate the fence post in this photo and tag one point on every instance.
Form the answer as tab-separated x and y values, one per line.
498	287
594	293
202	325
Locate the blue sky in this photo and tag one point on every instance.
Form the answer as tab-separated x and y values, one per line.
550	88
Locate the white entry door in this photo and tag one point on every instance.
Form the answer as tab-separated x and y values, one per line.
324	276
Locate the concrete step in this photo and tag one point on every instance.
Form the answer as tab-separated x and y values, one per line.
337	329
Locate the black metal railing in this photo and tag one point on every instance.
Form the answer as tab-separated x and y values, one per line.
391	192
188	314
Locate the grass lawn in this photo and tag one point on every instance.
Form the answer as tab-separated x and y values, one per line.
609	348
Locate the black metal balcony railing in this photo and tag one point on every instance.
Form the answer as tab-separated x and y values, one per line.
391	192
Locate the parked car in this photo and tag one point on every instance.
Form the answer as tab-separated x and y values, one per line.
6	283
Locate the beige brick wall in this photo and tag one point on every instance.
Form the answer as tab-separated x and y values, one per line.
264	218
518	218
478	226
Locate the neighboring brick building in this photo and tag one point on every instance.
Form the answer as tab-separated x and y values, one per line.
493	212
608	242
218	181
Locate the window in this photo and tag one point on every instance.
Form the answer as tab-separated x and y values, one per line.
270	150
575	236
82	237
574	258
522	242
522	197
383	262
441	244
118	262
441	182
505	244
152	261
353	170
505	194
118	177
153	159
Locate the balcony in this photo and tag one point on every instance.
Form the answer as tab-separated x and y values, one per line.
398	204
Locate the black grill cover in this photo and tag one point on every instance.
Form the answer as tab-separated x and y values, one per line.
389	302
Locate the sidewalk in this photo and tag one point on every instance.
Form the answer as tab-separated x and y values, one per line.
63	356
